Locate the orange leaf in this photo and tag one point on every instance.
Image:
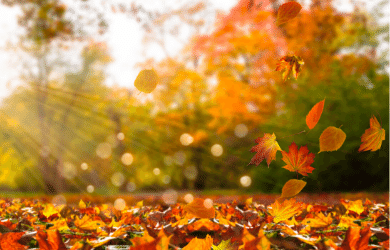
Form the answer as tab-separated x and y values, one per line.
356	239
372	137
331	139
287	11
298	161
284	210
200	244
314	115
146	80
51	240
355	206
9	241
199	210
266	149
292	188
147	246
289	64
319	220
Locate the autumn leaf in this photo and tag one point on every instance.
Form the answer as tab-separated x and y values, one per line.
224	245
356	239
372	137
319	220
9	241
287	12
87	223
266	149
152	245
298	161
292	188
289	64
355	206
163	244
50	240
331	139
285	210
146	80
198	209
314	115
200	244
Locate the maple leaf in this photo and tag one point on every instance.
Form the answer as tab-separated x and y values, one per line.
266	149
319	220
298	161
146	80
355	206
285	210
331	139
289	64
314	115
50	240
292	188
287	11
372	137
87	223
200	244
224	245
198	209
9	241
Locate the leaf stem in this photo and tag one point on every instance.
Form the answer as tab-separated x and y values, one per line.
294	134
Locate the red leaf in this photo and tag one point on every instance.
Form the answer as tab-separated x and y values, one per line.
9	241
51	240
298	161
314	115
356	239
287	12
266	149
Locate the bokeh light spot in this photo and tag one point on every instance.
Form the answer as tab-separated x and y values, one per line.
119	204
68	171
217	150
90	189
170	196
84	166
180	158
103	150
208	203
188	198
127	159
120	136
241	130
117	179
131	186
186	139
245	181
58	200
166	179
156	171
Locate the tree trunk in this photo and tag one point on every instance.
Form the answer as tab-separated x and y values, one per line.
200	181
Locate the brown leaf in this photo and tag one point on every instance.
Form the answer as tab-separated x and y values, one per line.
331	139
314	115
287	12
372	137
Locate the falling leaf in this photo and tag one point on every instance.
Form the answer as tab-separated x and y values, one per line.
50	240
314	115
331	139
298	161
266	149
9	241
290	64
198	209
285	210
287	12
200	244
356	239
292	188
372	137
146	80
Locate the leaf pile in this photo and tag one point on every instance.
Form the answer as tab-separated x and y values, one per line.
288	224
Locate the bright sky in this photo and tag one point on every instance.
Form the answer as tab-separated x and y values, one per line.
124	41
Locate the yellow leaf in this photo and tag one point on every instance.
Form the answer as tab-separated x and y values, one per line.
140	204
284	210
292	188
372	137
331	139
86	223
82	204
355	206
249	201
163	244
319	220
146	80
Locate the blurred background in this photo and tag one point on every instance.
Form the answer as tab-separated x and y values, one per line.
72	121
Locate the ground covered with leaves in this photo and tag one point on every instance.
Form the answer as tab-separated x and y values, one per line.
199	224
